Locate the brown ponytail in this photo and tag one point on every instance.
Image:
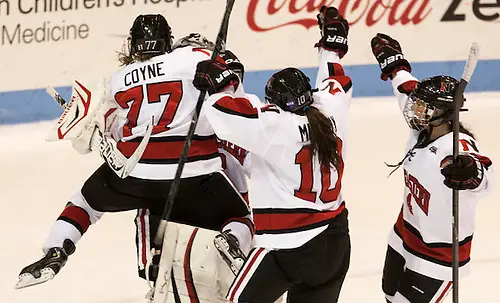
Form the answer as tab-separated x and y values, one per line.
463	129
323	138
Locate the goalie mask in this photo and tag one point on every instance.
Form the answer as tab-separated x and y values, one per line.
150	34
194	40
431	103
289	89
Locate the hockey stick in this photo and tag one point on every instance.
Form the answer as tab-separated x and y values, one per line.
458	99
107	150
221	38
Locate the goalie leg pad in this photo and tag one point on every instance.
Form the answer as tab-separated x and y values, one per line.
198	273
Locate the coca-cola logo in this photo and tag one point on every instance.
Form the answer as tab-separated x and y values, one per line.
370	12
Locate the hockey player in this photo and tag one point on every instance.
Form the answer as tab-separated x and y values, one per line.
418	265
297	147
233	160
155	83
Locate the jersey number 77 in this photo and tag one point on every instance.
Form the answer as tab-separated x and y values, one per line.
154	91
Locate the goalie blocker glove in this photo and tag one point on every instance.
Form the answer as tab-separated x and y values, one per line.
213	77
464	173
334	30
389	55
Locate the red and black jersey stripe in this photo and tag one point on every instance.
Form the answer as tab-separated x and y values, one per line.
167	150
336	72
280	220
439	253
335	69
345	81
237	106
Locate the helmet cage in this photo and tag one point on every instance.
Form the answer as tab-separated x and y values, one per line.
419	114
194	40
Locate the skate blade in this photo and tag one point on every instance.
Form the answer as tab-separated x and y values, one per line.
222	246
27	279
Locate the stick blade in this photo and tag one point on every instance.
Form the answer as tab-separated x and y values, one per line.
471	62
56	96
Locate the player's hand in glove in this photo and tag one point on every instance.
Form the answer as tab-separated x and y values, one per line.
233	63
389	55
464	173
334	30
213	77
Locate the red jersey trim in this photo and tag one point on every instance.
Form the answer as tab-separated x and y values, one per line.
440	253
407	87
278	221
345	81
169	149
236	106
335	69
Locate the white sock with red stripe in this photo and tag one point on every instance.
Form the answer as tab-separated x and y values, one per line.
73	222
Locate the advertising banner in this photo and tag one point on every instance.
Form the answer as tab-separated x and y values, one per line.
53	42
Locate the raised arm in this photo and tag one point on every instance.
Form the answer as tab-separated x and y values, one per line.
332	47
394	66
231	113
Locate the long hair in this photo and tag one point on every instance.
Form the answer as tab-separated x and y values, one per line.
324	141
126	58
463	129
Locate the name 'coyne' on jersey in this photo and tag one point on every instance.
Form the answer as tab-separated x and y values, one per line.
144	73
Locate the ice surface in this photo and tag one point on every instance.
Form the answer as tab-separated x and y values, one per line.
37	178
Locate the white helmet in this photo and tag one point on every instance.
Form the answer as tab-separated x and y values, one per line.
194	40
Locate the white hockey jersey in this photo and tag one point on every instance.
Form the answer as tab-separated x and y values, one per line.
292	197
236	160
423	231
161	89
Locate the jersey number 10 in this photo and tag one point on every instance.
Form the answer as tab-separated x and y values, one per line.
305	192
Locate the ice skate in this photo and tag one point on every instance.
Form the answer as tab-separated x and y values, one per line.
229	248
46	268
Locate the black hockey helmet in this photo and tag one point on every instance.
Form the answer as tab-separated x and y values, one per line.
150	34
431	100
289	89
233	63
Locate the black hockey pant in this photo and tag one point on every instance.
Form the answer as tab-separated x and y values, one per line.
311	273
402	285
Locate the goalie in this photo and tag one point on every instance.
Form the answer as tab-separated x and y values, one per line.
154	84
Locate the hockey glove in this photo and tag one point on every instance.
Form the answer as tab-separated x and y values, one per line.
334	30
213	77
464	173
389	55
233	63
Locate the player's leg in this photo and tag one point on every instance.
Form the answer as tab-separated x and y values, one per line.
212	202
85	208
146	226
394	269
68	229
260	280
417	288
236	232
321	265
